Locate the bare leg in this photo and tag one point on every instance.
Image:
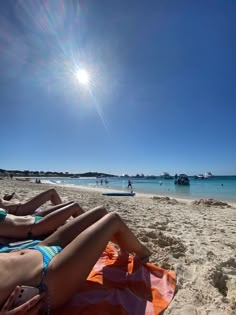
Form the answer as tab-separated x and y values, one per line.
52	221
66	233
44	212
10	206
72	266
30	206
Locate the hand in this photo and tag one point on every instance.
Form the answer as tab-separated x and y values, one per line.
31	307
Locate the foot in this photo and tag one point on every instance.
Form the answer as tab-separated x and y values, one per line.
144	254
145	259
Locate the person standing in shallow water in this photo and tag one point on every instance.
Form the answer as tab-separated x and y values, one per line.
130	185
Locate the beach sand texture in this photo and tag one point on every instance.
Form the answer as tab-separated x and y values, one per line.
198	241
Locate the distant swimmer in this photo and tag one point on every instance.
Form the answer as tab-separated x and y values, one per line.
160	182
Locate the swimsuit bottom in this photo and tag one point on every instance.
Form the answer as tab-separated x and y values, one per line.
3	214
48	252
37	218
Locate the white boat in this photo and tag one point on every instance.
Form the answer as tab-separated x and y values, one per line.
208	175
166	175
199	176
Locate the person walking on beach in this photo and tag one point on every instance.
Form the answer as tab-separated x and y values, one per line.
68	256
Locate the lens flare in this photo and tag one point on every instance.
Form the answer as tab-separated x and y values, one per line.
82	76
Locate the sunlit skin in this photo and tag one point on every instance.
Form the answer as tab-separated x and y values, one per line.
82	76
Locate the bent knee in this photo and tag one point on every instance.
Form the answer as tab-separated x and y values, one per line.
75	204
114	216
76	209
52	190
102	209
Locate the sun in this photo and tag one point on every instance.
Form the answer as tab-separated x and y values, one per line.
82	76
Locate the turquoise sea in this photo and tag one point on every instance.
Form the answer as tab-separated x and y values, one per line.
217	187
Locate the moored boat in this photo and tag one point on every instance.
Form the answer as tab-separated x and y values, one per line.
182	179
199	176
208	175
166	175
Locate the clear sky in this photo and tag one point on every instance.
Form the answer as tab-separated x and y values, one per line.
159	93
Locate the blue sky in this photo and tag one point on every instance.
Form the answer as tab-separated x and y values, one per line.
161	92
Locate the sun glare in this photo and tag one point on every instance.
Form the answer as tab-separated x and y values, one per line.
82	76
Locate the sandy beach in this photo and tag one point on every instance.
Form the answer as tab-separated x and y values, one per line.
197	240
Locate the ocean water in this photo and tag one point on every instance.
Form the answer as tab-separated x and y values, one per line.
218	187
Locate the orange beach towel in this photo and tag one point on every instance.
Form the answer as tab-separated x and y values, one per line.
122	285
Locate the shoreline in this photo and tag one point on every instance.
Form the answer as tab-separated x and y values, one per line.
187	200
104	188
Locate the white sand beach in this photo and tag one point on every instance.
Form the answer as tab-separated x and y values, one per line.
198	241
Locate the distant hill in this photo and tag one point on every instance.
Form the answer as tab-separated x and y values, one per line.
27	173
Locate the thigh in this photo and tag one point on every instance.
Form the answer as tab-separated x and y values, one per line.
72	266
31	205
11	207
55	219
66	233
44	212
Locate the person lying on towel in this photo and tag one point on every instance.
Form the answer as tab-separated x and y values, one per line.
66	257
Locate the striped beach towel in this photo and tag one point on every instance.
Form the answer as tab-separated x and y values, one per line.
122	285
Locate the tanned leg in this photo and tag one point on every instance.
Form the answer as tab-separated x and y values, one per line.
72	266
55	219
30	206
44	212
66	233
10	206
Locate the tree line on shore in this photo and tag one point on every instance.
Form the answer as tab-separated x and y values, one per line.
27	173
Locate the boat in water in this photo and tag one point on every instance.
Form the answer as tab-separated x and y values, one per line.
166	175
199	176
208	175
182	179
